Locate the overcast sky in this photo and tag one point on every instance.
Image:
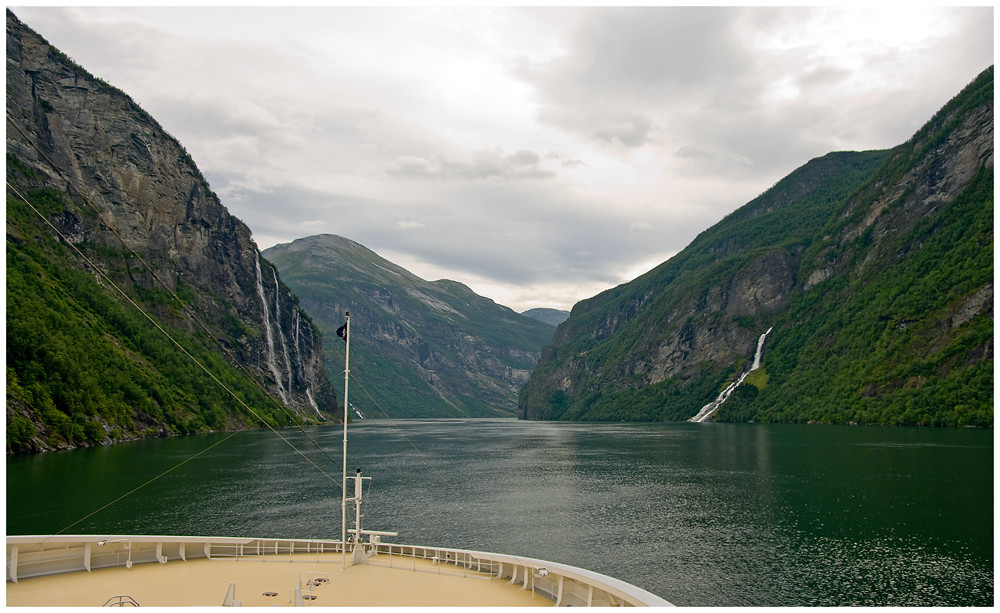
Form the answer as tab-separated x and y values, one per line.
538	155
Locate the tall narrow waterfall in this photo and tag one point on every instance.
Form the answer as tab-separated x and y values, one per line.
760	350
271	363
309	395
281	333
295	343
710	408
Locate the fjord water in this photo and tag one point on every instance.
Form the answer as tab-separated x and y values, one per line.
700	514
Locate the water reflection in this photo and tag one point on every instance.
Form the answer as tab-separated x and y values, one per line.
701	514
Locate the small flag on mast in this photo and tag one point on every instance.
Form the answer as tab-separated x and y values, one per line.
342	332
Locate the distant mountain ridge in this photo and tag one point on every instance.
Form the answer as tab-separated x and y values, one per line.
84	365
549	316
874	270
420	348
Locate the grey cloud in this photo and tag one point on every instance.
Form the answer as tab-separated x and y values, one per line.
566	161
525	233
631	131
657	53
123	48
273	122
690	80
487	164
512	233
624	64
823	78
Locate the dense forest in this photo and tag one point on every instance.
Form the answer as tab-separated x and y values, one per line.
81	362
874	270
866	351
783	219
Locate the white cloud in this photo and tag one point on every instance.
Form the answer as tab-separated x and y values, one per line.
492	164
409	225
645	266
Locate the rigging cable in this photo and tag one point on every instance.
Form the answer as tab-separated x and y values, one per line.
204	328
426	460
392	422
137	488
161	329
187	308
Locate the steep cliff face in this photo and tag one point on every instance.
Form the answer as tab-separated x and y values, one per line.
843	233
894	319
421	348
138	207
651	349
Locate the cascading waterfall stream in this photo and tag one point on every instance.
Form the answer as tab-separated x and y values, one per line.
296	344
710	408
309	395
760	350
271	362
281	333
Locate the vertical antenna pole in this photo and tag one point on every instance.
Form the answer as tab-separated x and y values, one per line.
343	497
358	487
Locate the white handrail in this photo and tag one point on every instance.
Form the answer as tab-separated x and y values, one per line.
40	555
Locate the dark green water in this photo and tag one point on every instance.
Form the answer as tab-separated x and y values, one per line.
700	514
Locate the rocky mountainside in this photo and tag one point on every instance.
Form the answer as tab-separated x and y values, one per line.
418	348
101	199
873	271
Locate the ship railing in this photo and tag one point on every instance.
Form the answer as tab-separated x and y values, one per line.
563	584
33	556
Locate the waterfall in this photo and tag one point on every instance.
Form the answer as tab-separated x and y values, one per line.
296	343
710	408
281	333
309	395
760	350
271	363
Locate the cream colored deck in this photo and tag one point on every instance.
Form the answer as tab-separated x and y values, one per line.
205	582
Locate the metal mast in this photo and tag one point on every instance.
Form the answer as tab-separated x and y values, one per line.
343	497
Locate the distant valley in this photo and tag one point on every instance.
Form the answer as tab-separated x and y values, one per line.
549	316
418	348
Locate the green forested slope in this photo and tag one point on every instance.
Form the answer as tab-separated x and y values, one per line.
609	333
418	348
905	335
83	368
100	199
875	271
